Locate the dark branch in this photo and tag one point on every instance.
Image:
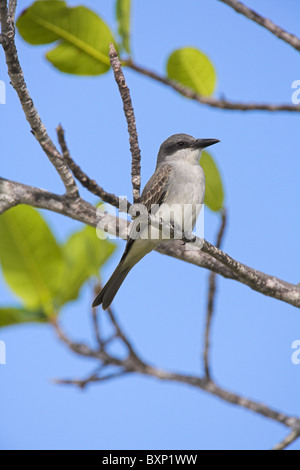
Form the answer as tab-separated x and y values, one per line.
288	440
15	73
211	300
129	114
209	101
289	38
83	383
83	178
137	365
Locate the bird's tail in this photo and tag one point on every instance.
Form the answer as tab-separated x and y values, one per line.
107	294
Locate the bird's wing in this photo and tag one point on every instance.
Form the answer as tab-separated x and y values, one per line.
157	187
154	192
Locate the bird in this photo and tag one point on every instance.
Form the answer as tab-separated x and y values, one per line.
175	193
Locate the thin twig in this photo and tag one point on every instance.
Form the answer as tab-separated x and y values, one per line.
209	101
141	367
83	383
289	38
130	118
96	323
211	300
69	181
83	178
118	330
288	440
120	334
15	73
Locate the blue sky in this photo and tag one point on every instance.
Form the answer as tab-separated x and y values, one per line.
259	162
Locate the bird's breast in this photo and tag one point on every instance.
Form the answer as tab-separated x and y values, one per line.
187	184
185	195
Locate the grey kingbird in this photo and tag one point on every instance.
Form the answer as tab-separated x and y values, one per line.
178	183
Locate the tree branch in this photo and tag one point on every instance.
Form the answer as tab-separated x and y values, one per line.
15	73
138	365
211	301
289	38
129	114
83	178
209	101
83	383
264	283
210	257
288	440
12	6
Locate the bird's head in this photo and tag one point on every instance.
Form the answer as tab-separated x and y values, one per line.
182	147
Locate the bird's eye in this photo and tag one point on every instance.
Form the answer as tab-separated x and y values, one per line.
180	144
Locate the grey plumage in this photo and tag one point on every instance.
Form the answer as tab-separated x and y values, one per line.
178	180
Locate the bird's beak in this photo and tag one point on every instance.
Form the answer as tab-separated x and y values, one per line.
203	143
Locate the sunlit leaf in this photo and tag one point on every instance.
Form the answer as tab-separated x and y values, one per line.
193	69
13	315
214	193
83	37
123	17
31	259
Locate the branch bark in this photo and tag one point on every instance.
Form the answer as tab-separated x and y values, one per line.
288	440
210	257
15	73
209	101
12	6
91	185
135	364
280	33
264	283
211	301
130	118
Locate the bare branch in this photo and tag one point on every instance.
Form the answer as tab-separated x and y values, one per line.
96	322
289	38
209	101
210	257
141	367
15	73
83	383
69	182
133	356
288	440
211	300
7	201
12	6
267	285
129	114
83	178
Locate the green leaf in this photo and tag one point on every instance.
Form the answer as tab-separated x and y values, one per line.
13	315
84	255
123	8
83	36
193	69
214	193
30	258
